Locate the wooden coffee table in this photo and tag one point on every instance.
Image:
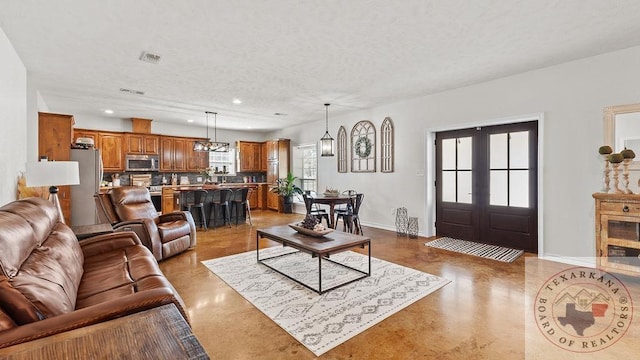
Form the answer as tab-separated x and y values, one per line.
320	247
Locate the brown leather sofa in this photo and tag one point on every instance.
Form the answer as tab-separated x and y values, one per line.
130	208
51	283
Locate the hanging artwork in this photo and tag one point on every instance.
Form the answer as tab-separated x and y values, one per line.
363	147
386	145
342	150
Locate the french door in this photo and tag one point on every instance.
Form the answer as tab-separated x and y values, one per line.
486	185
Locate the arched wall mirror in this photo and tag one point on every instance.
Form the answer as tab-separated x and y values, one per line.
622	129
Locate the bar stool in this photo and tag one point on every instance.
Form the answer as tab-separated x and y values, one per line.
196	199
239	200
220	200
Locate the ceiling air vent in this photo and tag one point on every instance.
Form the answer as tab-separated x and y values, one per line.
149	57
132	92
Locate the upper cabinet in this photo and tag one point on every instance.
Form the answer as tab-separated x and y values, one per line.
263	157
278	159
172	154
55	136
196	160
110	145
91	134
249	156
142	144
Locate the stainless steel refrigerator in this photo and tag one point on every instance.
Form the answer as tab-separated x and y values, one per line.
83	207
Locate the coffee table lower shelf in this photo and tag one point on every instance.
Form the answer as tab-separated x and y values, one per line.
316	248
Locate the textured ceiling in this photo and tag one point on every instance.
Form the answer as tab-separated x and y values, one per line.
292	56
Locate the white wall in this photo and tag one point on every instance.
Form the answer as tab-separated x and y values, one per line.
571	96
13	119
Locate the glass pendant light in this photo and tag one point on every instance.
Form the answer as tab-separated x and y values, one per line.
209	145
326	141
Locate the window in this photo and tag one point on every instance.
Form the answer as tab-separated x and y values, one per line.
222	160
305	166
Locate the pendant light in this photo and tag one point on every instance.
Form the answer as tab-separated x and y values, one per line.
326	141
215	145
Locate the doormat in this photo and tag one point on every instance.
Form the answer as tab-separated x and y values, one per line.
322	322
493	252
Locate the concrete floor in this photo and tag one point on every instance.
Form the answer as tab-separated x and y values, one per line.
479	315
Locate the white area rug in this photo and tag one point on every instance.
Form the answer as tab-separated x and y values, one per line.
473	248
322	322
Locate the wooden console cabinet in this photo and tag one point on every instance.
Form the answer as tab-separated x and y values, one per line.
618	233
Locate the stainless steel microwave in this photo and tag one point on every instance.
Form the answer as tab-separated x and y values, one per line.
142	163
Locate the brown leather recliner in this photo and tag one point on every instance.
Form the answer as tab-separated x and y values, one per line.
129	208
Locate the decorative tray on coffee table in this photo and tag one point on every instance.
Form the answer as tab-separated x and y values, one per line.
297	227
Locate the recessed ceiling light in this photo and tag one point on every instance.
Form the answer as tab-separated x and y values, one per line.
108	111
237	101
189	120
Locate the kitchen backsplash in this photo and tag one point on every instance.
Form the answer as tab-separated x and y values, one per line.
156	178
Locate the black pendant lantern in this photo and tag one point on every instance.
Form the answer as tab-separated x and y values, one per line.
209	145
326	141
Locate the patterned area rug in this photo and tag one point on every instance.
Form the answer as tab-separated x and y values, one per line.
322	322
472	248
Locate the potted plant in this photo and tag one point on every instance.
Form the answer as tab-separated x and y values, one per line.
286	188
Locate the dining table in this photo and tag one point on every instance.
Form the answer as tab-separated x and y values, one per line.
332	201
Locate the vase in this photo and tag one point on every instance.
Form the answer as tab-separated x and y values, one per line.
402	220
412	227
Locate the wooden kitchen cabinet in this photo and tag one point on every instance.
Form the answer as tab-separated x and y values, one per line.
167	200
196	160
618	233
91	134
142	144
249	155
172	154
273	201
278	159
111	148
55	135
263	157
258	197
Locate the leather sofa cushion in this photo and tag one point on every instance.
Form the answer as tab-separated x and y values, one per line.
173	230
115	274
50	277
40	259
133	202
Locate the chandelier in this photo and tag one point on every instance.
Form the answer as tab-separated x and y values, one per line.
326	141
215	145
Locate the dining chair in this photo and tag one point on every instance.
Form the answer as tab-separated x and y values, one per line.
314	210
350	216
195	199
220	199
240	202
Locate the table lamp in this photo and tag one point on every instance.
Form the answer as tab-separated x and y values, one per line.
53	174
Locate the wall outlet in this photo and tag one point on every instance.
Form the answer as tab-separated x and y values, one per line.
393	211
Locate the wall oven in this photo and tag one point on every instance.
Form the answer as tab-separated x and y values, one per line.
142	162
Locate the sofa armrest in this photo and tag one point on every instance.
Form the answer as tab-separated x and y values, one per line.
103	243
185	216
147	231
91	315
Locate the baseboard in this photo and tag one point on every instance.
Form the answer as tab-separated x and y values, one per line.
577	261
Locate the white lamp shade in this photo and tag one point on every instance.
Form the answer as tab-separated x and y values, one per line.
52	173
